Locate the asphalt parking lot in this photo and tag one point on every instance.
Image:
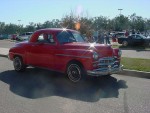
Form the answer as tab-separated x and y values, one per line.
37	90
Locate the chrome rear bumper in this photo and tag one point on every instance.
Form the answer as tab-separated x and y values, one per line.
106	71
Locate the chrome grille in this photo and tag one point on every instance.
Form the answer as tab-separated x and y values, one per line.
108	62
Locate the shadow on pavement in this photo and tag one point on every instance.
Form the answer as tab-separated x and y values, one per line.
38	83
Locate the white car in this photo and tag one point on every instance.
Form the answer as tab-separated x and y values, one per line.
148	36
24	36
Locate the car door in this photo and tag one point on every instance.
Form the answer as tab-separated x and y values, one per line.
41	52
138	40
134	40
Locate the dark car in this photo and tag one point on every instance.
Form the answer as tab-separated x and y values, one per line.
134	39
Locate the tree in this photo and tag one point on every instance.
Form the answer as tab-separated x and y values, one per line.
30	28
12	29
85	26
2	27
99	23
69	21
120	23
39	26
137	22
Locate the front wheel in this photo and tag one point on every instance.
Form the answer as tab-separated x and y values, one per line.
19	66
125	43
74	72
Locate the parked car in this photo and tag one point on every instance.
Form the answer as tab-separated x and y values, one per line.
4	36
65	50
13	36
119	34
134	39
24	36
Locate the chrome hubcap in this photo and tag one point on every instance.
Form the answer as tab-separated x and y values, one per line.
17	63
125	43
74	73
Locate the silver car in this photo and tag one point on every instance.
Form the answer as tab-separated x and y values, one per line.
24	36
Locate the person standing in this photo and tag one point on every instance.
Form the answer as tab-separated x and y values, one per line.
102	38
107	39
138	32
133	31
126	33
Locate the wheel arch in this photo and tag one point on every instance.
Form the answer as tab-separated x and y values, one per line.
75	62
17	55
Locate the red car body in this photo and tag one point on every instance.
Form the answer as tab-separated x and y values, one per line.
94	59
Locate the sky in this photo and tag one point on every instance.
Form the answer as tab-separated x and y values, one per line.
39	11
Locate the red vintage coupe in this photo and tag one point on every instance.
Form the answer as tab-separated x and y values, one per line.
66	51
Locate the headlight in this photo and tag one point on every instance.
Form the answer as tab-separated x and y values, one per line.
119	53
95	55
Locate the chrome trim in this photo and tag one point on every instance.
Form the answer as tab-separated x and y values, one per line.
73	56
108	71
105	66
106	61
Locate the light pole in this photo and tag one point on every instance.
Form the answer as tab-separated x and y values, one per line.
19	26
120	10
120	17
19	21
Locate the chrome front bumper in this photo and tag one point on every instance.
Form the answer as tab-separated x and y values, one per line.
103	72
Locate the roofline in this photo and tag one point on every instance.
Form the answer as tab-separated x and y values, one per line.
56	29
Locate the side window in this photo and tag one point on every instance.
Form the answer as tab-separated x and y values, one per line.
65	37
40	38
45	38
133	36
138	37
23	34
28	33
51	39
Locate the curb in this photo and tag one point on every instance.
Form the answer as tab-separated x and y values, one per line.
135	73
126	72
1	55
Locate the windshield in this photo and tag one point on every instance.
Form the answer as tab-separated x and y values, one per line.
143	36
69	37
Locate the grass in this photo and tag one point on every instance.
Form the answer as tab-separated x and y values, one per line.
136	64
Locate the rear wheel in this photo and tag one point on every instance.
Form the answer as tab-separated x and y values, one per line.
74	72
19	66
125	43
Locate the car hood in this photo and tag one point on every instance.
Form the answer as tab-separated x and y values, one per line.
102	49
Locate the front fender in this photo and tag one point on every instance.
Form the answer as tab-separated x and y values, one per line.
115	52
17	51
65	56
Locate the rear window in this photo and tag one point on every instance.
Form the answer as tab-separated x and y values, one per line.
28	33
